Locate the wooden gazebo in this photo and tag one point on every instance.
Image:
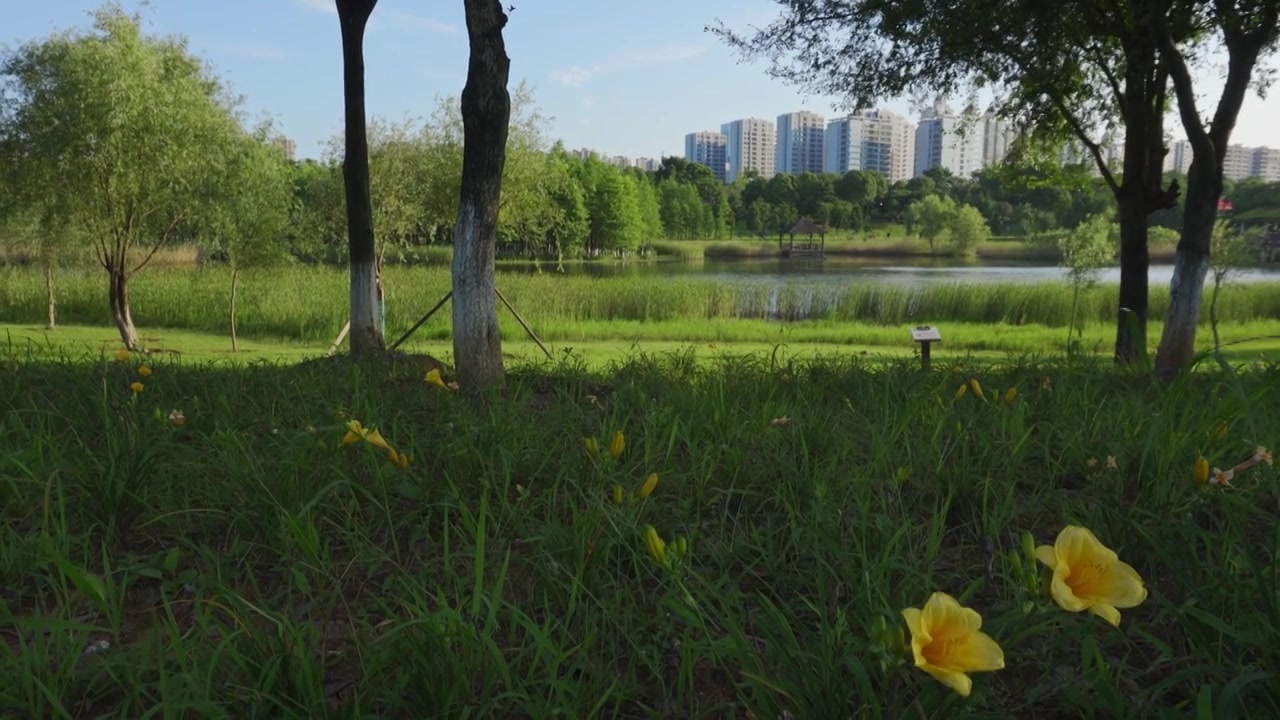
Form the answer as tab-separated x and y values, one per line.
809	245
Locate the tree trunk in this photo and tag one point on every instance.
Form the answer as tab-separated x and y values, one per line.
119	303
366	337
1190	266
52	319
486	112
235	277
1135	291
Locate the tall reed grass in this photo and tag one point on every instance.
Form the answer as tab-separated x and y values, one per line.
310	303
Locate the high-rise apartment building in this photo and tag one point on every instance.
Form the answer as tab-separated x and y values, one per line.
750	144
707	148
800	139
946	139
289	147
997	139
1266	164
877	140
1239	162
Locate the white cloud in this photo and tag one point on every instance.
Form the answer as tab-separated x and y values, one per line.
574	76
406	20
577	76
324	6
588	102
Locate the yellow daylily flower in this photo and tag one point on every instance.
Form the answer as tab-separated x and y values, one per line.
649	485
657	546
433	378
1111	462
1223	477
1200	471
177	418
963	389
617	445
144	371
123	355
1088	575
977	389
947	642
357	432
136	387
1010	395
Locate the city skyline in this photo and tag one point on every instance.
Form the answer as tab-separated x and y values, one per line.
635	95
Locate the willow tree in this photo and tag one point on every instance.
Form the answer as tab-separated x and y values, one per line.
366	330
486	113
110	130
1076	70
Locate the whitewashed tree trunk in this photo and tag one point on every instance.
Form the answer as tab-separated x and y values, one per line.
1178	343
366	335
486	115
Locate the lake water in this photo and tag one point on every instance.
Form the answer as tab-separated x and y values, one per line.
903	272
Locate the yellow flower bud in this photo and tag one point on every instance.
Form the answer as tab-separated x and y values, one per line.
593	446
977	389
1200	471
617	445
960	392
657	547
618	495
649	485
1010	395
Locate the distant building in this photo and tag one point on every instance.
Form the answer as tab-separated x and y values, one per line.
289	147
1238	163
750	145
946	139
1076	153
877	140
800	142
648	164
621	161
708	148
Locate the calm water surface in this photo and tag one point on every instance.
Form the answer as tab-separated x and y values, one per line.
905	272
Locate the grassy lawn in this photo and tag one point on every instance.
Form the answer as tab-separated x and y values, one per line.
209	546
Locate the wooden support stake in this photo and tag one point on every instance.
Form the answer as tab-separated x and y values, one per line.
524	324
341	336
421	322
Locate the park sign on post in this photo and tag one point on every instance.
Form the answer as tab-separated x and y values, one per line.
925	335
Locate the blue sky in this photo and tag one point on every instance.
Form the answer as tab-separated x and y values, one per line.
623	78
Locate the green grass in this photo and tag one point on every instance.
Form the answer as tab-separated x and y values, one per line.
307	304
244	564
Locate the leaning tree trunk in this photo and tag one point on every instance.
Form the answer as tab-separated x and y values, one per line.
52	306
119	303
486	112
366	336
1190	266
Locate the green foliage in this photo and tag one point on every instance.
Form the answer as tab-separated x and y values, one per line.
245	559
112	132
1088	248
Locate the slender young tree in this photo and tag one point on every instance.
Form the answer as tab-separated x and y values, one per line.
486	114
366	331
